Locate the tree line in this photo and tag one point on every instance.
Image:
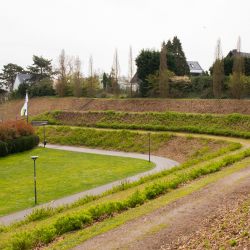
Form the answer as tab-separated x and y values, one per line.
163	73
66	78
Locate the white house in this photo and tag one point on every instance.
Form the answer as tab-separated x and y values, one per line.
195	68
20	78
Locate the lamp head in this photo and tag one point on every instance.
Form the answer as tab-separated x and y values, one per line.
149	133
34	157
43	123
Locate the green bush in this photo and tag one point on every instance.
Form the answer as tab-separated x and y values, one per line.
19	144
72	221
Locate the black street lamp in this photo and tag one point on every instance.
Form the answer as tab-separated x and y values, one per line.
149	145
44	141
1	114
34	158
76	103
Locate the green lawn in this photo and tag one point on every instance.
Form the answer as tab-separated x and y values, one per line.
58	173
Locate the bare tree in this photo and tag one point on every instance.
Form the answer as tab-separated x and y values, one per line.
62	75
116	69
131	70
71	64
91	79
218	73
77	78
237	84
163	73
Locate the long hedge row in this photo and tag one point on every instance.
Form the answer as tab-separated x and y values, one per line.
236	125
77	220
19	144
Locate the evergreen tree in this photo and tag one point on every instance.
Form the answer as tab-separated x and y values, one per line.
169	46
163	70
40	69
7	78
182	67
105	80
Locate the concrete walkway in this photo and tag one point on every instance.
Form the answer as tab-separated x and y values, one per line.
161	163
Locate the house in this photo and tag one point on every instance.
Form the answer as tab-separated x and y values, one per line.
21	78
235	52
195	68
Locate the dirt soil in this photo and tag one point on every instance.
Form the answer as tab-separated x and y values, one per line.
181	150
39	105
185	217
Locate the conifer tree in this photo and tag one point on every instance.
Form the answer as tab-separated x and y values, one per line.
105	80
169	46
218	71
182	67
163	71
40	69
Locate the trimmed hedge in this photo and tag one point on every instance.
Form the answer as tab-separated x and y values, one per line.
19	144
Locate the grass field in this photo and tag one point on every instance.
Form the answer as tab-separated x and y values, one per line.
58	174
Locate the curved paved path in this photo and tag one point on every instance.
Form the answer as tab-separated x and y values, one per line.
161	163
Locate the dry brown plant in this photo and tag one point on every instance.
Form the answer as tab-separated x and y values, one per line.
61	83
218	73
131	70
115	77
90	87
163	73
77	78
237	84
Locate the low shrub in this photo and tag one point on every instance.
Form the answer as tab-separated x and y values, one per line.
19	144
15	129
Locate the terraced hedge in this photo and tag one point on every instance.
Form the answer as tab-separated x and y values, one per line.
228	125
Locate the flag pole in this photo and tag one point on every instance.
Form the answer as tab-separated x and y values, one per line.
27	107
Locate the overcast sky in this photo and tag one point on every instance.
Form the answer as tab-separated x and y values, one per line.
98	27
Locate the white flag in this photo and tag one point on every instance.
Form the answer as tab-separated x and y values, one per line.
24	110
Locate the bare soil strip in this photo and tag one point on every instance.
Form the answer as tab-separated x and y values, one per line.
159	228
39	105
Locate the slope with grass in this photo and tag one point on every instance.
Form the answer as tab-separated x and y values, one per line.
228	125
82	213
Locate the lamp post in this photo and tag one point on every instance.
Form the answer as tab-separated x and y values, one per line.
149	145
34	158
44	141
76	103
16	118
1	114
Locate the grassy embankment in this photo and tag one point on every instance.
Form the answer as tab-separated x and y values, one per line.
80	215
236	125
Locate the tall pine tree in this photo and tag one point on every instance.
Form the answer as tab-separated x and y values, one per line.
169	46
182	67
